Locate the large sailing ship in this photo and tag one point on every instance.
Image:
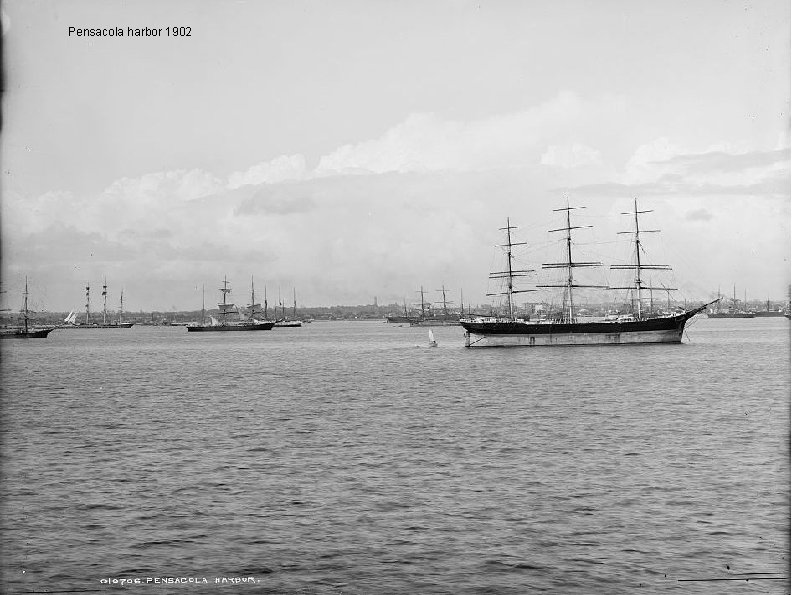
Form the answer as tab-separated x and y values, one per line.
25	330
71	320
565	329
226	311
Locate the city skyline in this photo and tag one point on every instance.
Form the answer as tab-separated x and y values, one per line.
356	149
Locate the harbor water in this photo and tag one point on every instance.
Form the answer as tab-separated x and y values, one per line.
348	457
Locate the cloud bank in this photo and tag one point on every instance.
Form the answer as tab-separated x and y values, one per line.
417	205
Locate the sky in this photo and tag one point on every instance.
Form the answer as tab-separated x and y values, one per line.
354	150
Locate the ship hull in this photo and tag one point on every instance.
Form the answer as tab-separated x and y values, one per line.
429	322
494	333
400	319
22	334
731	315
263	326
94	326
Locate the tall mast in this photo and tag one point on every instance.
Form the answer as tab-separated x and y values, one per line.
203	311
87	303
638	267
510	273
104	300
25	306
265	302
294	304
224	307
422	298
569	265
443	291
121	305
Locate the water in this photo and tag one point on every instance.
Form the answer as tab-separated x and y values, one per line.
351	458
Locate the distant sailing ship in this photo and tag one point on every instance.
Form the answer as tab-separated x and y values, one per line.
71	320
25	330
429	317
733	311
403	318
565	329
224	323
285	322
769	313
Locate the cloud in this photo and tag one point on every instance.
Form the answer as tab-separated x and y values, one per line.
723	161
178	185
425	142
575	155
418	205
665	168
280	169
699	215
277	200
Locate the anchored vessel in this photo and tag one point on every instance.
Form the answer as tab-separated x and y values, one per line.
285	322
565	329
226	310
71	320
733	311
430	317
26	330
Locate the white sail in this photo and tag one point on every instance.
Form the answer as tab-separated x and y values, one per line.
432	339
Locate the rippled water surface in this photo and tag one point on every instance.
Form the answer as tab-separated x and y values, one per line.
350	458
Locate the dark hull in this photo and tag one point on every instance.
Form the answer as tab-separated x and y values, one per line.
436	322
401	319
22	334
92	326
731	315
261	326
495	333
769	314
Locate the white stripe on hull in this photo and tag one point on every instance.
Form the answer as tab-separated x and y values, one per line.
474	339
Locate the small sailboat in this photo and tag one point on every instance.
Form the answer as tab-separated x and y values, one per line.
431	339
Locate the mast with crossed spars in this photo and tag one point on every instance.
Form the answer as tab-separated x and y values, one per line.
510	274
638	266
569	265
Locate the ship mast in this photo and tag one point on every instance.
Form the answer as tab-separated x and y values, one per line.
638	267
104	300
121	305
25	306
265	302
224	307
294	305
422	298
87	303
253	302
443	300
510	273
203	311
569	265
